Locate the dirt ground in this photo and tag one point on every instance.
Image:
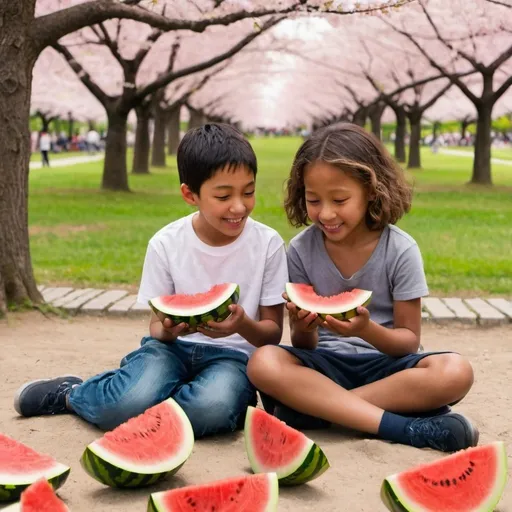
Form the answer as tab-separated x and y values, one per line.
33	346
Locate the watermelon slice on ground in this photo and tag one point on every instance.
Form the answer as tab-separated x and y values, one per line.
199	308
21	466
273	446
342	306
143	450
470	480
39	497
248	493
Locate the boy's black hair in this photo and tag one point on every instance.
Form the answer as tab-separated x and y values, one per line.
214	146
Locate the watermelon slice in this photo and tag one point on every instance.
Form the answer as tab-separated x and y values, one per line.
197	309
470	480
143	450
251	493
21	466
273	446
39	497
342	306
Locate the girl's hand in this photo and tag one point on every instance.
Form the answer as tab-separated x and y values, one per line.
302	320
171	331
352	327
227	327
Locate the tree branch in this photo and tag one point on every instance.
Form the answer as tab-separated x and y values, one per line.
502	89
454	78
82	74
498	2
173	75
501	59
110	44
432	100
145	47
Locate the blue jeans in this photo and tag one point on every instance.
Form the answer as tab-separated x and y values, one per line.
209	382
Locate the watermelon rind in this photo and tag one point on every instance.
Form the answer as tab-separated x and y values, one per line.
156	501
344	311
217	310
309	464
396	499
114	471
11	491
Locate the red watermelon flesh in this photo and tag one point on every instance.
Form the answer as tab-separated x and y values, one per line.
128	440
467	481
40	497
197	299
344	303
253	493
276	451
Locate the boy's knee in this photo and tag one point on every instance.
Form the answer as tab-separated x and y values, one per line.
265	365
211	418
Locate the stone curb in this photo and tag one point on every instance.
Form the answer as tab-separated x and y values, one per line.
95	301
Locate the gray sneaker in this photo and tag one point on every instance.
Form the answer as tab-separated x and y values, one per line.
45	396
447	433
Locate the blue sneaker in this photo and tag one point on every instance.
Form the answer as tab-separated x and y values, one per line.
447	433
45	396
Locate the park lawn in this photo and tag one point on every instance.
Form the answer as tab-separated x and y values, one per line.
36	156
501	153
83	236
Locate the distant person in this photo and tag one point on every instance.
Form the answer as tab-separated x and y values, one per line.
93	141
45	144
366	373
205	372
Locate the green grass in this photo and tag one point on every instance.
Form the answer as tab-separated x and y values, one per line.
36	157
83	236
501	153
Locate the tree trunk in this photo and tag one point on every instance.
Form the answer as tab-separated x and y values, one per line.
482	160
375	114
464	124
158	151
173	130
414	141
360	116
401	126
197	119
115	176
141	149
17	283
435	130
71	123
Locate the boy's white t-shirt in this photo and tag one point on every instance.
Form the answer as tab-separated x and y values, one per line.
177	261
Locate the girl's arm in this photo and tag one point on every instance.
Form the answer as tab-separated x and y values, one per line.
398	341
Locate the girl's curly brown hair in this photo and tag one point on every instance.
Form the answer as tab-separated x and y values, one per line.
363	156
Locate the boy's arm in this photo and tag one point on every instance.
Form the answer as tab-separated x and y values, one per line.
164	331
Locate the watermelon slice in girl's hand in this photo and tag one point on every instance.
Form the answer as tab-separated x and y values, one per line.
273	446
470	480
248	493
21	466
39	497
143	450
342	306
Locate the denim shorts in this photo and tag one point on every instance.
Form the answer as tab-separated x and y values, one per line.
348	371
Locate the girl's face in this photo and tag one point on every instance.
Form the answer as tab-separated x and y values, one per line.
335	202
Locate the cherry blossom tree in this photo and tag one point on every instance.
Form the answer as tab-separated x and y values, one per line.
477	34
25	34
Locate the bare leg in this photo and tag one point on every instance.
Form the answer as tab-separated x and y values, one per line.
280	374
437	380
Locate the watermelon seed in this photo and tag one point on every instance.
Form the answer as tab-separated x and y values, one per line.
447	482
471	463
442	483
454	481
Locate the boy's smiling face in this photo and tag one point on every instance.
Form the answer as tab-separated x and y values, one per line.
224	202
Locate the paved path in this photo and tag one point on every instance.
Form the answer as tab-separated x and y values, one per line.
96	301
72	160
470	154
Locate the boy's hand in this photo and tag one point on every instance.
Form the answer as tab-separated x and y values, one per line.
352	327
227	327
303	320
171	331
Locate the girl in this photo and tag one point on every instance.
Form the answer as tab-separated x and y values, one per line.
365	373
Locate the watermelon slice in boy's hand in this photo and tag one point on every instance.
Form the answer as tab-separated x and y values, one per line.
197	309
470	480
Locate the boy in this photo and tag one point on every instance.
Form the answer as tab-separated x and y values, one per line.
205	372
